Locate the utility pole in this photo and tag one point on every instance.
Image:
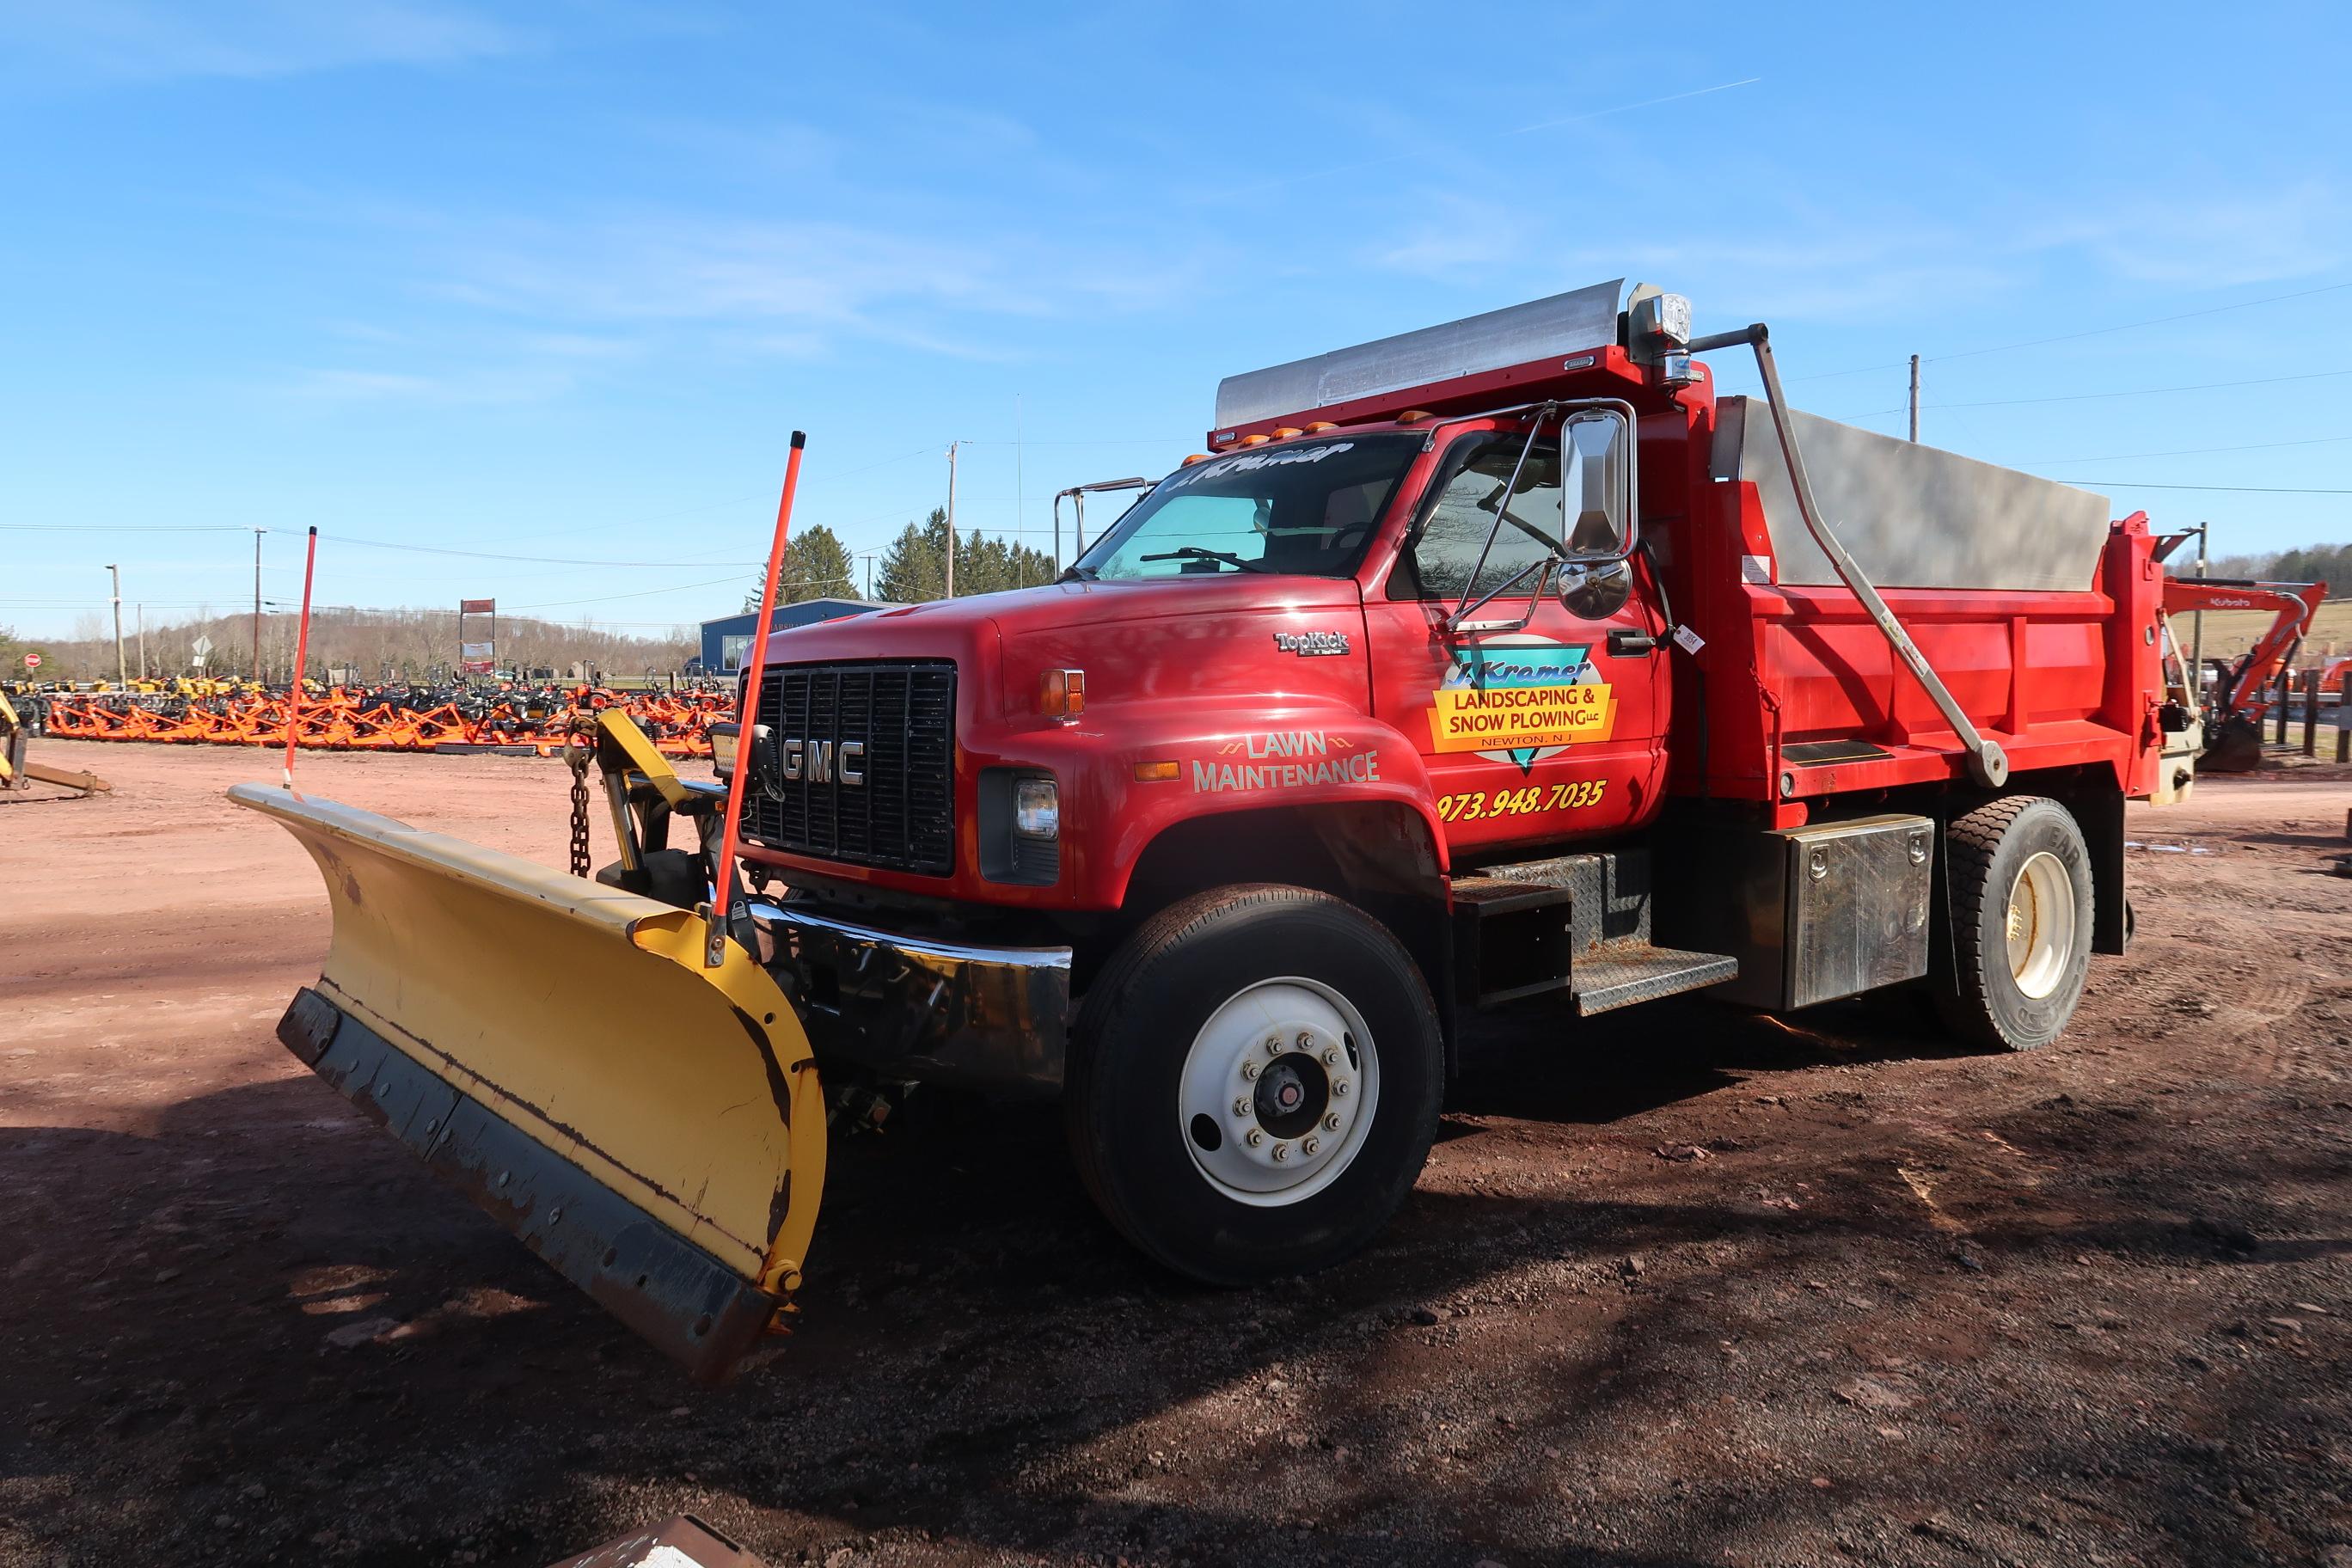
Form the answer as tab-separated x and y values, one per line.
951	478
257	605
143	642
121	674
1020	534
1915	397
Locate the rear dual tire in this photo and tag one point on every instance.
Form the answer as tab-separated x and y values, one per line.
2020	903
1254	1083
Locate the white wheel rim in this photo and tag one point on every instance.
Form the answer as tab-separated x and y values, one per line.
2040	926
1247	1137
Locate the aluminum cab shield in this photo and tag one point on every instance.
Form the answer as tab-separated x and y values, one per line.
555	1048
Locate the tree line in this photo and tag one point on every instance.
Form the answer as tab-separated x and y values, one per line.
2328	563
910	571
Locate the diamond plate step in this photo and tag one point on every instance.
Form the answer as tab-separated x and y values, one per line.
1490	896
1621	973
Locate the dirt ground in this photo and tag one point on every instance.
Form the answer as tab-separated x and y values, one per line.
1681	1287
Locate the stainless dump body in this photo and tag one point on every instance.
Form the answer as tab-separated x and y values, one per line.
1912	516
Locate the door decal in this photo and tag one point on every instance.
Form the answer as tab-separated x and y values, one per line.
1520	698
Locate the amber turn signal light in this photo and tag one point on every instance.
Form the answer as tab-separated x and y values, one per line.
1062	694
1157	773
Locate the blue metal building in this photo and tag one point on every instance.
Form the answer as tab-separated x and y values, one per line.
727	642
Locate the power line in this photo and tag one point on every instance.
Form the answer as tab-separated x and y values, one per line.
2151	321
124	528
2181	452
2243	490
2136	392
488	556
640	593
2071	337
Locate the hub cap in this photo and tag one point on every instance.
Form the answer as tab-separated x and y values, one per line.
2041	924
1278	1091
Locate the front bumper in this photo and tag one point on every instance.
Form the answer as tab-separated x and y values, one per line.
927	1009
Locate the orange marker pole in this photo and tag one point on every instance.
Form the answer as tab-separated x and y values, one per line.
723	883
301	653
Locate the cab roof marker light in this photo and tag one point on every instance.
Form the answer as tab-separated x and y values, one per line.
1195	457
1317	426
1285	432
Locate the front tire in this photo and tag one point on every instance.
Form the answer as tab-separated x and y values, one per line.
2019	877
1254	1083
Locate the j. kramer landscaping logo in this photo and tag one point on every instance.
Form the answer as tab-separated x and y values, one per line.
1520	699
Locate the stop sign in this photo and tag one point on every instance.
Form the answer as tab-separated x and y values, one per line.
31	661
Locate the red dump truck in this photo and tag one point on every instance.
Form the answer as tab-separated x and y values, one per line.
1499	663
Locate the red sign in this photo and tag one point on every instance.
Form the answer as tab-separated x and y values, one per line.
477	665
477	606
31	661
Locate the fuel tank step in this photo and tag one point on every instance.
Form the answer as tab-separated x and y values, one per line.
1622	972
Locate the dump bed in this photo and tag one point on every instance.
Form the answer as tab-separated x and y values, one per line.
2038	612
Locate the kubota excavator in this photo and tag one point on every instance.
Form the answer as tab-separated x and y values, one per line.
2233	717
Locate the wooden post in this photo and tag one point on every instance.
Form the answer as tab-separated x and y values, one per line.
2311	711
2285	696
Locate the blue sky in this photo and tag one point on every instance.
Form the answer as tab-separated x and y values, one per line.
558	279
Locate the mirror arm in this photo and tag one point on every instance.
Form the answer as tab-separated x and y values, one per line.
1460	621
1502	509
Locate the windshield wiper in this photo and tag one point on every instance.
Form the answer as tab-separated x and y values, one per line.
1194	553
1074	572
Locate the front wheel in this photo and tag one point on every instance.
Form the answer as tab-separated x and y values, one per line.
1254	1083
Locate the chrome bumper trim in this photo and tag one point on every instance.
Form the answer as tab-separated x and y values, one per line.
928	1010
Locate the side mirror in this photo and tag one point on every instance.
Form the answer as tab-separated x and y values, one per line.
1596	460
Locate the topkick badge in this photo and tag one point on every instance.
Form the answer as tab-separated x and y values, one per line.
1522	702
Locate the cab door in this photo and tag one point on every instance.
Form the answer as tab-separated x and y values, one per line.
1534	732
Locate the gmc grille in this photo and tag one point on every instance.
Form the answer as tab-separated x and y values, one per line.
902	816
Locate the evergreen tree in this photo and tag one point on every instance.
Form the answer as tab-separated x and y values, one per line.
913	569
816	566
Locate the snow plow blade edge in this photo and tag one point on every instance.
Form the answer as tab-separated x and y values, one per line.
554	1048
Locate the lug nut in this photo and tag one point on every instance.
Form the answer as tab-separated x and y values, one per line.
1305	1041
1282	1151
1249	1069
1254	1137
1309	1145
1330	1122
1273	1046
1339	1088
1330	1056
1242	1105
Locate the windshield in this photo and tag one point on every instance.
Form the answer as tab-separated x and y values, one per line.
1307	509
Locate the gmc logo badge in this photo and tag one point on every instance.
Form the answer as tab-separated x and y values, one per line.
821	762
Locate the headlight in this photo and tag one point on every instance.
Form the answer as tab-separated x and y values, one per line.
1036	809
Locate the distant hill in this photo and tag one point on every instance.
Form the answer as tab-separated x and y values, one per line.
399	645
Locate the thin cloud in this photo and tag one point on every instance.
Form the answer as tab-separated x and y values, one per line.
122	39
1435	150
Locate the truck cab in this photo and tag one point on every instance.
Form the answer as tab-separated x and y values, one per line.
1493	663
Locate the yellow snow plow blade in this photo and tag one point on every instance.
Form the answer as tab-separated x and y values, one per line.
555	1048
